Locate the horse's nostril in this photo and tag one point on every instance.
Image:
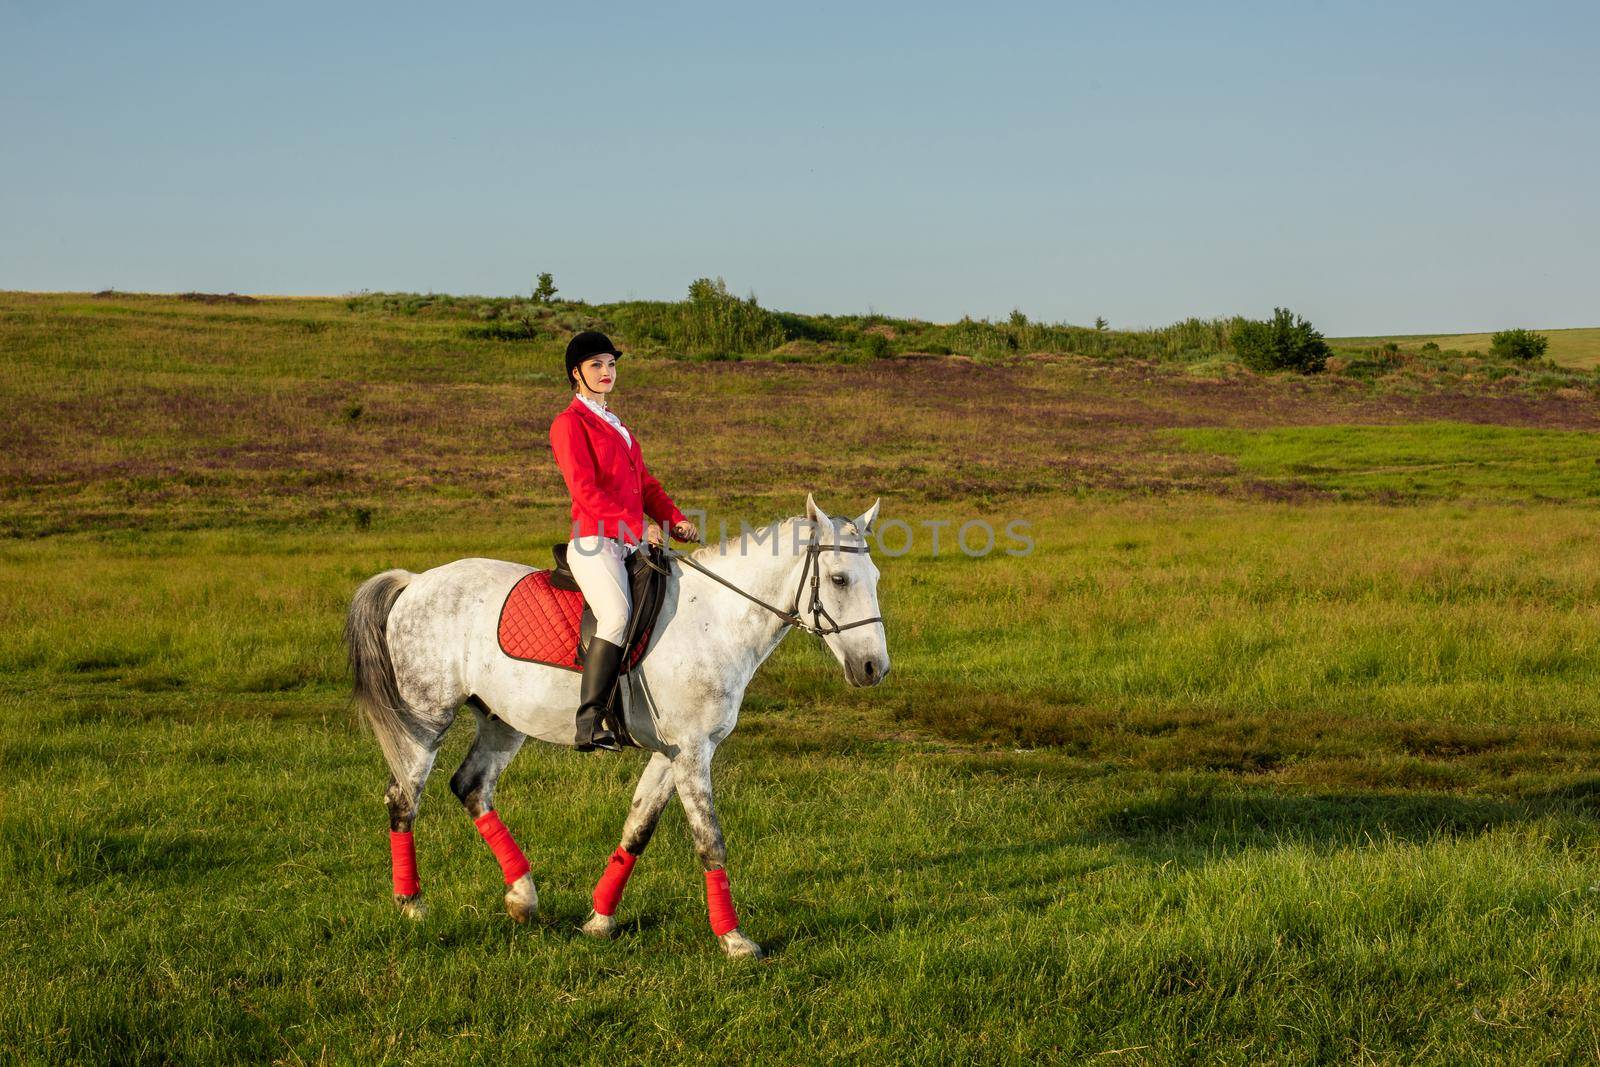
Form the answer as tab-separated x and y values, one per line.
872	668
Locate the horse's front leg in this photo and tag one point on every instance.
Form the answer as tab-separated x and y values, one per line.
649	800
691	772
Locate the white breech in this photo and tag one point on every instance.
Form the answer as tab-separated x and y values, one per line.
599	566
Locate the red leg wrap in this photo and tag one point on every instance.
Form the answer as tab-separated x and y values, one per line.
403	862
719	900
513	864
609	890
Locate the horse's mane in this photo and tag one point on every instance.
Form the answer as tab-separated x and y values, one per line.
846	526
709	550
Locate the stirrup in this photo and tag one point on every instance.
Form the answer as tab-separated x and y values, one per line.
600	736
602	739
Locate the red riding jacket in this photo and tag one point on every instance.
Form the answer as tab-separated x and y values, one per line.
611	487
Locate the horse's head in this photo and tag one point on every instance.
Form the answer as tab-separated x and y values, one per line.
847	589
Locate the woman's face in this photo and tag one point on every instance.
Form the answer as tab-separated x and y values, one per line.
599	373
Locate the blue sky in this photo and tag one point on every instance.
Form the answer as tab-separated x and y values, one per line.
1376	167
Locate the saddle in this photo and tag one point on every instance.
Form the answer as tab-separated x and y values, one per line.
546	620
647	587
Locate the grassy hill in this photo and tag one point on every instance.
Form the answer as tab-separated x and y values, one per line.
1282	741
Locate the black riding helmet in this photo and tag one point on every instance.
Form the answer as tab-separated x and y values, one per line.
586	344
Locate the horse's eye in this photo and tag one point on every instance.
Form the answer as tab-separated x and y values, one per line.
840	580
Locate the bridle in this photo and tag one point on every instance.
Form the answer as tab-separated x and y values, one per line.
792	616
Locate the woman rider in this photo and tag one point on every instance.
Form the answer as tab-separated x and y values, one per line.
611	491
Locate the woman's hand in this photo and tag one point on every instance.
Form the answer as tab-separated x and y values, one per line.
652	534
686	531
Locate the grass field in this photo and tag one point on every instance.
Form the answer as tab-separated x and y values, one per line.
1280	746
1578	348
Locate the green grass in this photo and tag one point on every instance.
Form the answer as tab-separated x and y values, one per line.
1164	609
214	888
1280	746
1262	773
1435	459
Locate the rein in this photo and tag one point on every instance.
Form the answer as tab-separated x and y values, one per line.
792	616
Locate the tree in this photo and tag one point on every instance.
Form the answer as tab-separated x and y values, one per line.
1518	344
709	291
545	291
1287	342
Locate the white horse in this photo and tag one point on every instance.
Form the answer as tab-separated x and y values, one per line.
422	645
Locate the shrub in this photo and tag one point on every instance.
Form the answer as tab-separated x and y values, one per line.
545	291
1286	342
711	322
805	327
512	320
876	346
1518	344
518	329
715	320
1372	364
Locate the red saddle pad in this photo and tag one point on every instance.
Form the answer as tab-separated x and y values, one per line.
540	623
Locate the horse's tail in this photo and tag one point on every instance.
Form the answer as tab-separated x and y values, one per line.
376	692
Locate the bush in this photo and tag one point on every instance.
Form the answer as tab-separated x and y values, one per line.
714	321
1374	364
1286	342
711	322
876	346
506	330
1518	344
806	327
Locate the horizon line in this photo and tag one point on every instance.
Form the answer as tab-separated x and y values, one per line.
837	314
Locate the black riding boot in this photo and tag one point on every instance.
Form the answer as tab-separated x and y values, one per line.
599	673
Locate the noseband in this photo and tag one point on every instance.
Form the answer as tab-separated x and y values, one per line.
792	616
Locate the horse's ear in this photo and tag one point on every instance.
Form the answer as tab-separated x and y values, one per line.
864	523
815	515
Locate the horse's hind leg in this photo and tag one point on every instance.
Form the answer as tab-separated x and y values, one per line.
649	798
473	784
403	798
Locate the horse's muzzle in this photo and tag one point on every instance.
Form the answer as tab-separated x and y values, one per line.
867	671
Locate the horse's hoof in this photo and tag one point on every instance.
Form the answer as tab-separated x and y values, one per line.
413	907
522	899
740	947
601	926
